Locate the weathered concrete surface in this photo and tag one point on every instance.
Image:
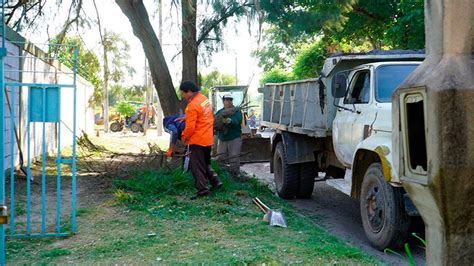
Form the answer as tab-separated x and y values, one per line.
446	200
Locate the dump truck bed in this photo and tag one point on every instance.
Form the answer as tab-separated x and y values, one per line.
298	106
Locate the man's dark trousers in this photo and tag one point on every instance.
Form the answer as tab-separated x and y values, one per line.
200	165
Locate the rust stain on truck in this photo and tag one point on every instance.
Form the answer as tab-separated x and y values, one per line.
383	151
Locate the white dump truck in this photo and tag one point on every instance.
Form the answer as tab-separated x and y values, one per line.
340	124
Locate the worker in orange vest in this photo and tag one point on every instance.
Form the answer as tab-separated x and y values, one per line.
198	134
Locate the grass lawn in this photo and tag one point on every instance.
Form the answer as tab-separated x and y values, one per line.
149	218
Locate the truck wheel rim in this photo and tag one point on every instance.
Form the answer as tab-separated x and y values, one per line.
374	205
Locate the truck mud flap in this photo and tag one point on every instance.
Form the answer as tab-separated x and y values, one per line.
300	148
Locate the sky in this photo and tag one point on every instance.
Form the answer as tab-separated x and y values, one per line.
239	43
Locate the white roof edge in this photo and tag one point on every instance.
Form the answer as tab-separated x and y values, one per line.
331	62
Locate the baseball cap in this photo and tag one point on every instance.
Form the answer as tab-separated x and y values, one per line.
227	96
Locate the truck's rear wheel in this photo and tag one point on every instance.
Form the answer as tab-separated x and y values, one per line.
135	127
308	172
286	175
382	212
115	126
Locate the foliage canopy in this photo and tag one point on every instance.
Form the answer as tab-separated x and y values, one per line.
126	109
213	79
88	65
302	33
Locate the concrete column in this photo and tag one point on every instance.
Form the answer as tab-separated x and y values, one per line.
434	152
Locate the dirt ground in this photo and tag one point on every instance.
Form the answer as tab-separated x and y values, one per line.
90	187
98	215
329	208
339	214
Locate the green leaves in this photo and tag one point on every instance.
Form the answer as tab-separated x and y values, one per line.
310	61
276	75
126	109
303	33
213	79
88	65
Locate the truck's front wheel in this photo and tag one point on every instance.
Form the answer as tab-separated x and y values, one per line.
382	212
286	175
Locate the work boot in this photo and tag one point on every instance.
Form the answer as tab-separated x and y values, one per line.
217	186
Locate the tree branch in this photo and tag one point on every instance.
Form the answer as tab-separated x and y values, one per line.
362	11
69	21
203	35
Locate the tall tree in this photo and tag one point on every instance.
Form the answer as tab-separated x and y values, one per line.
115	56
209	33
376	21
105	104
188	41
142	28
88	65
335	26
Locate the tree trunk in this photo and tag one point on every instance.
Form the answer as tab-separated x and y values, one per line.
142	28
106	93
188	40
147	111
105	104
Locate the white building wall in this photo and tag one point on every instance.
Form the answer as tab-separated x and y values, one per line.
28	65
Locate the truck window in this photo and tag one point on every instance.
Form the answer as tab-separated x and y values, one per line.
388	78
238	96
360	91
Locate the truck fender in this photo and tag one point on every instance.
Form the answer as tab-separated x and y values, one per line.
370	150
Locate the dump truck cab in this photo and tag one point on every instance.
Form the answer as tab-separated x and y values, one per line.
363	119
340	123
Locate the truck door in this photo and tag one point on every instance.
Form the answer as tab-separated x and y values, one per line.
346	135
365	114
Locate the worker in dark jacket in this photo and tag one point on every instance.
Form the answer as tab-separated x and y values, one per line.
174	125
230	142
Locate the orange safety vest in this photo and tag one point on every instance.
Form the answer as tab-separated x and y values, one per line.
199	122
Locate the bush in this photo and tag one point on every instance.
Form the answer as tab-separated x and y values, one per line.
125	109
275	75
310	61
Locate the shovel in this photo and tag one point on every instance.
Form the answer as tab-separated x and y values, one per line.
275	218
186	160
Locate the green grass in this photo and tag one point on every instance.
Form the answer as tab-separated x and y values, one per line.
227	226
150	219
57	252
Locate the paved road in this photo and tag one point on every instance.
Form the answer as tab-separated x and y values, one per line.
339	214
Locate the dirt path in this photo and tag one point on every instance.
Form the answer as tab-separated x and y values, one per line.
338	213
90	190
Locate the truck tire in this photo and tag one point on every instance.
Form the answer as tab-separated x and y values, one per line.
286	175
308	172
115	127
382	212
135	127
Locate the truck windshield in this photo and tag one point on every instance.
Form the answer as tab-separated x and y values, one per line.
388	78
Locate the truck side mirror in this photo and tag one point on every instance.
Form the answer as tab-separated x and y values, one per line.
339	85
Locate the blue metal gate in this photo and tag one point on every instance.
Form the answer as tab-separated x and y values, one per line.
36	200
